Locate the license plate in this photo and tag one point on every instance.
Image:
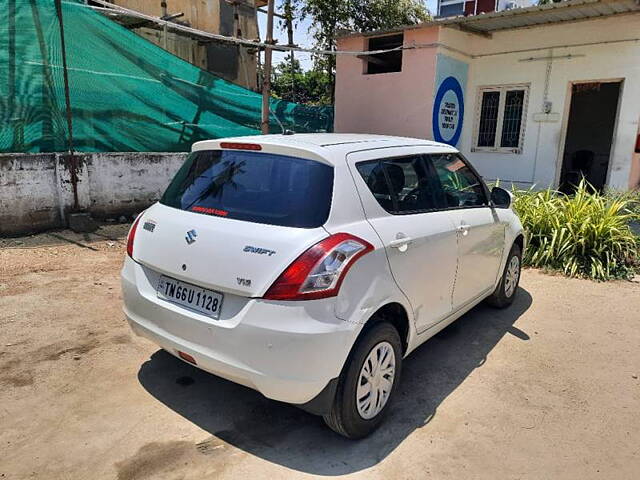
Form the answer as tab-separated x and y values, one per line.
195	298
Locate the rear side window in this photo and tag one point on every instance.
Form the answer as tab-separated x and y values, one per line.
402	185
254	187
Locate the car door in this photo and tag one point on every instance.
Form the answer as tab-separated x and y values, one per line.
481	235
420	241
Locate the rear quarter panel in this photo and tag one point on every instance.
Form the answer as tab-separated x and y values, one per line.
369	284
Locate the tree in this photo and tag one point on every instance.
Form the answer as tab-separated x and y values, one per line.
291	83
330	16
368	15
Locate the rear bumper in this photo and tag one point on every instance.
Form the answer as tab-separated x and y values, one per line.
288	351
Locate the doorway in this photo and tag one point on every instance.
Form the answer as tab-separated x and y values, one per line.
590	128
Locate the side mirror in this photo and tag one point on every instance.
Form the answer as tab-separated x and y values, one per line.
501	198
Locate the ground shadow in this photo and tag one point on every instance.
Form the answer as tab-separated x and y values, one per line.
285	435
115	233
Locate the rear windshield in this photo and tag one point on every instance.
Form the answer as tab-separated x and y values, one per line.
252	186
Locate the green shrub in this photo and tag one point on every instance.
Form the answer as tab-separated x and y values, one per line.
634	205
583	235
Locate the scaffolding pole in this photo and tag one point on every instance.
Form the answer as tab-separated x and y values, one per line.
266	80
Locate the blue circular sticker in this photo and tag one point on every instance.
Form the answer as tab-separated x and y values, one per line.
448	112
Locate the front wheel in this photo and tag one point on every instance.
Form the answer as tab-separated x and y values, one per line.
367	383
505	292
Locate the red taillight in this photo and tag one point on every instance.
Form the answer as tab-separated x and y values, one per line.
319	272
131	236
241	146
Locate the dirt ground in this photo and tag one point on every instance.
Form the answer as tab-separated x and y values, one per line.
547	389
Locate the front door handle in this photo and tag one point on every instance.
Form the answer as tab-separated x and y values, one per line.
463	228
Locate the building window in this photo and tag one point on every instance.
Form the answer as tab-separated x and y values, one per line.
500	118
450	8
384	62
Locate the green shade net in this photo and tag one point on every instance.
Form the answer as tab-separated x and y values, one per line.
126	93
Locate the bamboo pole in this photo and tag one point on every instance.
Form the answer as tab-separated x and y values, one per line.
266	81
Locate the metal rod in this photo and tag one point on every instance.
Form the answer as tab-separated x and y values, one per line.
266	81
559	57
74	166
279	15
173	16
12	73
65	74
163	5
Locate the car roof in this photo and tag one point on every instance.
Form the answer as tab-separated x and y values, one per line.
319	142
328	140
332	139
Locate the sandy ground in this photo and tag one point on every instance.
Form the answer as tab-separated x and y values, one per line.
547	389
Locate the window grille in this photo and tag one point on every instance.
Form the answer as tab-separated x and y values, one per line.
488	119
511	123
500	118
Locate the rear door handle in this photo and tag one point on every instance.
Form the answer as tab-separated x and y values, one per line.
400	242
463	228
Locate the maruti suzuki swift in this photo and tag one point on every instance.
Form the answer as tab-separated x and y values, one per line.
308	266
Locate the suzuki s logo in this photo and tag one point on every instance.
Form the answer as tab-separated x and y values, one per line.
190	237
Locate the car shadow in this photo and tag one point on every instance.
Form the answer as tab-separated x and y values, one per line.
286	435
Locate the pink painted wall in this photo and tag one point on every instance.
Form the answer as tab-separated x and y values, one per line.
634	175
398	103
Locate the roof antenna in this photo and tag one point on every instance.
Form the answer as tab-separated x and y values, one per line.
285	131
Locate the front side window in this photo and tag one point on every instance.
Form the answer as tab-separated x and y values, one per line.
500	119
254	187
461	186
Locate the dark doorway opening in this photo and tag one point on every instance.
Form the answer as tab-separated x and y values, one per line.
592	119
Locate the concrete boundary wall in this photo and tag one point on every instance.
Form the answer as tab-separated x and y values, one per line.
36	192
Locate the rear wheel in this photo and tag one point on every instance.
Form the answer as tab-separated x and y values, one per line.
367	383
505	292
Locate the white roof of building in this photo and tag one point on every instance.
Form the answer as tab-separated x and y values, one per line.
567	11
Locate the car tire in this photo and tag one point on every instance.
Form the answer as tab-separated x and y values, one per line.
507	288
349	415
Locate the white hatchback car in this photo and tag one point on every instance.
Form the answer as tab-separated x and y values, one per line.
308	266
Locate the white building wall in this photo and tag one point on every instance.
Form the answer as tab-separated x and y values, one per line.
606	58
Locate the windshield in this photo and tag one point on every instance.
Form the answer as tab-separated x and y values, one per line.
252	186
